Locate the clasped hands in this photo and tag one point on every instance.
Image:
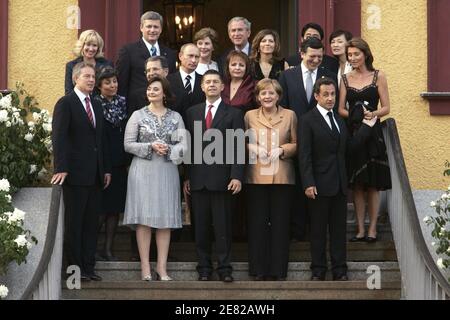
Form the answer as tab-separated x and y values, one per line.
265	155
160	148
369	118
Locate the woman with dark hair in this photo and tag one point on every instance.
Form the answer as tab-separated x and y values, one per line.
155	136
265	57
115	115
368	168
239	84
89	48
338	42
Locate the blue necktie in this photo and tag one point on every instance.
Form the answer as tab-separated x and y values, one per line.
153	51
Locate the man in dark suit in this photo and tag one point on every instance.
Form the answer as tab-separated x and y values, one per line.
297	84
132	57
314	30
82	166
212	179
154	66
186	83
322	152
239	30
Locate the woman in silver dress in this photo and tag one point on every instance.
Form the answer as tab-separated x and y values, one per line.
155	136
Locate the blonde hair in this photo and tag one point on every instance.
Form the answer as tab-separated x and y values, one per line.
264	84
88	36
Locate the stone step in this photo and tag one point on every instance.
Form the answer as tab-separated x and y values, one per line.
238	290
299	251
297	271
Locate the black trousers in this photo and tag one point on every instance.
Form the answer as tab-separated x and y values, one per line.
328	214
213	208
269	209
82	208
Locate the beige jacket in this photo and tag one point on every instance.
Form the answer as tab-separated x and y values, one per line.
278	131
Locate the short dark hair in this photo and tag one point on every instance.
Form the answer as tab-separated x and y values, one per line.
212	72
324	81
313	43
161	59
337	33
169	97
314	26
105	73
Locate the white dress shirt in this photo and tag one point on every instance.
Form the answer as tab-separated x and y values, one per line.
184	75
82	98
245	50
305	75
149	47
324	113
214	108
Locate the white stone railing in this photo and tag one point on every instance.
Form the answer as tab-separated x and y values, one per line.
421	278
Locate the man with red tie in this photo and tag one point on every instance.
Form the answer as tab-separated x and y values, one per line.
82	167
211	178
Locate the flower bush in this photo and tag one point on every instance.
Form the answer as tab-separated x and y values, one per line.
25	138
441	226
15	241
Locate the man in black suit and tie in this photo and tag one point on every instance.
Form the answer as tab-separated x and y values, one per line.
212	179
297	84
323	146
314	30
239	30
132	57
81	166
186	83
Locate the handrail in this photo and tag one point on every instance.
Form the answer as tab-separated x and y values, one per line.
421	278
49	246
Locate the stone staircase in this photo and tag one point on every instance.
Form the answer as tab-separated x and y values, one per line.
121	280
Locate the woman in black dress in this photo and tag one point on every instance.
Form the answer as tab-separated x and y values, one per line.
115	115
364	87
265	56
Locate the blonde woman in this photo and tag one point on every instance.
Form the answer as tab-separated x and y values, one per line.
89	49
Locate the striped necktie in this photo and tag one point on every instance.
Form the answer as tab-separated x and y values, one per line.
89	111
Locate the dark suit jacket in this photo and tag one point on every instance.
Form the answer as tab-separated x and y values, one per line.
214	177
131	71
184	101
294	95
322	155
78	148
68	84
328	62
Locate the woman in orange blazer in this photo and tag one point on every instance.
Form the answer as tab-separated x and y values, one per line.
270	180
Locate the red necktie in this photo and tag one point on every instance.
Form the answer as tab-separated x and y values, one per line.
89	111
209	117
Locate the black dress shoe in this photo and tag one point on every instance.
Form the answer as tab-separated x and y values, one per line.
340	277
85	278
318	277
259	278
226	278
371	239
95	277
358	239
204	277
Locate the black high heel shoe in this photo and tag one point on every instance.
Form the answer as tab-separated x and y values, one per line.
358	239
371	239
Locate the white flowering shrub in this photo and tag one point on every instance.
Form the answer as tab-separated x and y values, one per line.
25	138
441	226
15	241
